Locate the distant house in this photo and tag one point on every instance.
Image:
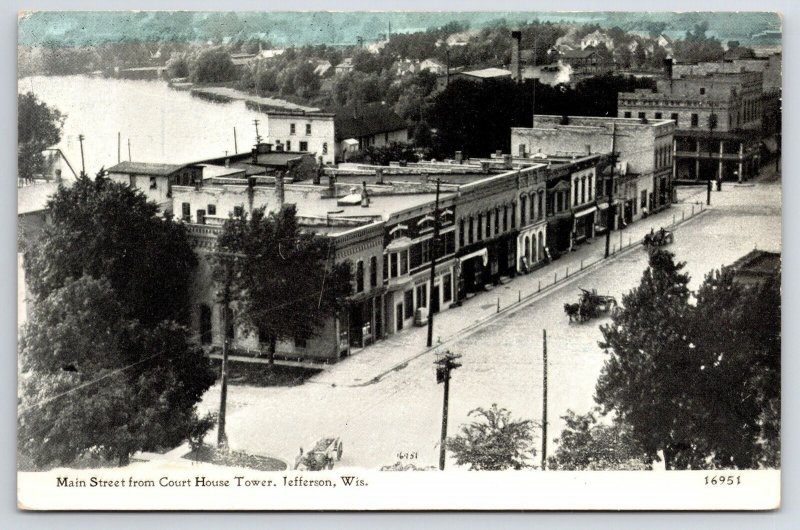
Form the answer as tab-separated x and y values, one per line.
584	61
155	180
477	76
242	60
405	67
433	66
322	68
365	126
345	66
269	54
595	39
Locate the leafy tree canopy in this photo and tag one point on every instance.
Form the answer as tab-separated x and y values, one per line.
285	282
109	230
213	66
94	383
38	127
494	441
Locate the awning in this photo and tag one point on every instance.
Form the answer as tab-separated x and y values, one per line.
586	212
484	253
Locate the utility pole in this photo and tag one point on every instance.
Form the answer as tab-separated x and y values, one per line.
223	394
258	136
129	150
445	364
434	251
611	209
83	165
708	192
544	399
235	144
447	67
119	146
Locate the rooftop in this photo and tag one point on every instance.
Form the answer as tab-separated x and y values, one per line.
366	120
487	73
146	168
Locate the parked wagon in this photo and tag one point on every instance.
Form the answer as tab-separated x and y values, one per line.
590	305
322	456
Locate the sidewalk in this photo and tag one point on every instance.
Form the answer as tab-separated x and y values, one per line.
372	362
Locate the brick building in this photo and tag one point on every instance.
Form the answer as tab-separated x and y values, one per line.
718	119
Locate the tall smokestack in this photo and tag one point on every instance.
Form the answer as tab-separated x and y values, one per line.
364	194
668	67
516	72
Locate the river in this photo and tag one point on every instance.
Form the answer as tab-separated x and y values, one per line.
162	124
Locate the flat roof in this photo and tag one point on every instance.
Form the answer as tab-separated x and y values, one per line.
383	206
488	72
146	168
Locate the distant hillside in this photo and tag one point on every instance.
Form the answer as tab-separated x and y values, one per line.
282	29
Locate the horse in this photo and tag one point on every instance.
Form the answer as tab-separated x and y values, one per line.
572	311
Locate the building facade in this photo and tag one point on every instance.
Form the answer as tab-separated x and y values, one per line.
309	132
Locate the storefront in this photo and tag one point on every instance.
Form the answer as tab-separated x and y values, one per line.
583	224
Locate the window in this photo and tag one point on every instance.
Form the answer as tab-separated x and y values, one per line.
658	115
488	223
403	262
559	203
589	182
212	209
304	146
422	295
325	148
373	271
308	129
522	203
497	221
360	276
583	190
153	184
480	227
238	211
702	90
505	218
460	233
644	198
393	260
447	287
575	192
694	120
642	115
627	114
291	128
385	267
674	117
470	235
541	204
386	137
300	341
513	214
186	211
289	145
201	217
408	302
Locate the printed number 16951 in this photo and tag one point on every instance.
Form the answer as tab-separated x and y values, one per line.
723	480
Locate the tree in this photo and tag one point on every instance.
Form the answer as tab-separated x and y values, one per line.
697	383
94	382
495	442
38	127
213	66
587	444
178	65
288	282
109	230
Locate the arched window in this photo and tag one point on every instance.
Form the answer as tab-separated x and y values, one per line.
359	276
522	203
583	190
325	148
373	271
541	204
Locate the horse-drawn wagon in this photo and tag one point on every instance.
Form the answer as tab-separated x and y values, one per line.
590	305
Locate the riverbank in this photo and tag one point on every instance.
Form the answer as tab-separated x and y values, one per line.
221	94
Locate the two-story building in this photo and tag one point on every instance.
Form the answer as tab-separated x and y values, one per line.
717	118
301	131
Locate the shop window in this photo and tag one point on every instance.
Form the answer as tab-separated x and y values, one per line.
408	303
422	295
360	276
447	287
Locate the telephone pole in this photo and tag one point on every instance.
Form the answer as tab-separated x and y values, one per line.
83	165
434	251
445	364
129	150
119	147
544	399
235	144
258	136
611	209
222	439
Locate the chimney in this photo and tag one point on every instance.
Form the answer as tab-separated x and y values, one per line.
255	155
459	157
332	184
364	195
379	174
516	72
588	149
264	148
668	67
227	162
279	188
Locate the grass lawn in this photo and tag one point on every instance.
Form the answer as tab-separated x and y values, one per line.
262	375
